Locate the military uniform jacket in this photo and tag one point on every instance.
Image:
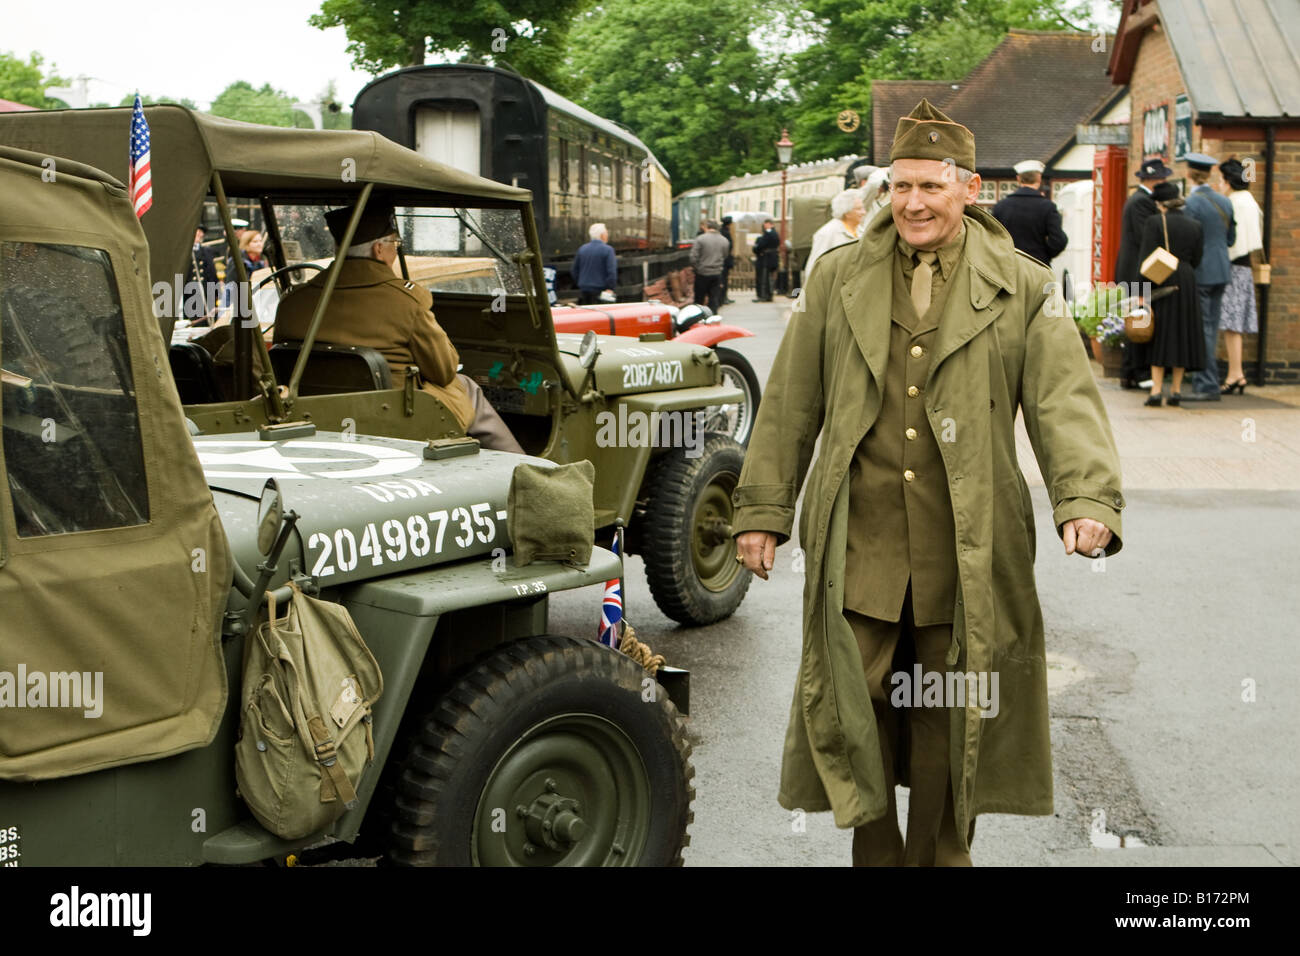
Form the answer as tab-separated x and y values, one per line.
372	307
1215	214
1004	343
1034	223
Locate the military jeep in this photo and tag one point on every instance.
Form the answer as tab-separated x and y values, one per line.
642	410
134	560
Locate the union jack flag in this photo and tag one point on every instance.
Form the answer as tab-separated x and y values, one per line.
611	609
140	180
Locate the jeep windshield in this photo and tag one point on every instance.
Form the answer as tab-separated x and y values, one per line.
445	250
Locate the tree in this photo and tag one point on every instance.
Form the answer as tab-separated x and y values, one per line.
25	81
686	78
528	35
861	41
267	106
147	99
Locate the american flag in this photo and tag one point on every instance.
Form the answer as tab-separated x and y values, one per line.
611	609
140	187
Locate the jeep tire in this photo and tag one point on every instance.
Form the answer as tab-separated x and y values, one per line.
550	751
685	533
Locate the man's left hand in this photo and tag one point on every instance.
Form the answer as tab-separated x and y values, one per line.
1085	536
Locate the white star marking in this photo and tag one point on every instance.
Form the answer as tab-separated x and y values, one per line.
257	459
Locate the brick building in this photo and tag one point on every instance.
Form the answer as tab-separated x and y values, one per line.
1223	77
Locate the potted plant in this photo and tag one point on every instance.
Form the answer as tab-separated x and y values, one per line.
1097	317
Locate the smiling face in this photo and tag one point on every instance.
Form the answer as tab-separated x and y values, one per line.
928	201
255	246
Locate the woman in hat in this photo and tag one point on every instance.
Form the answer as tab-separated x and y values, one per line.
1238	315
1179	341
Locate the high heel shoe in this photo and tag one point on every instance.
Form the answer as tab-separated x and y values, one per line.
1154	400
1175	399
1239	386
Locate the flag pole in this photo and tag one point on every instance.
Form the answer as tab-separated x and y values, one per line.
622	585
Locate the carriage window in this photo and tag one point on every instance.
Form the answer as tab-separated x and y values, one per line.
73	453
607	181
618	179
593	177
638	178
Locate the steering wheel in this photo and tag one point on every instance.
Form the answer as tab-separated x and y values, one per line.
275	272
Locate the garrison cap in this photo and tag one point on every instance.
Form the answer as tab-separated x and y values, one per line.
1200	161
927	133
376	222
1028	166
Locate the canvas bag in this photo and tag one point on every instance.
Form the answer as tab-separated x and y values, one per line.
549	513
305	737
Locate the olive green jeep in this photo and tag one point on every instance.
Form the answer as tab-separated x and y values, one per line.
646	413
134	562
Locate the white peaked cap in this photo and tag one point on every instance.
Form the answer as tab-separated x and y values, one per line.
1028	166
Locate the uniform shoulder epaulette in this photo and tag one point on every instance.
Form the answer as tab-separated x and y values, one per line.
417	292
1037	262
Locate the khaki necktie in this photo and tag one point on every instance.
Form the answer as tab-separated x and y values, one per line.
922	277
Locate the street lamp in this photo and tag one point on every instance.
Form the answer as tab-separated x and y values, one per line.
784	151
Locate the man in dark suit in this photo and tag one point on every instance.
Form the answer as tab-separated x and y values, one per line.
1032	219
1214	212
1137	210
767	259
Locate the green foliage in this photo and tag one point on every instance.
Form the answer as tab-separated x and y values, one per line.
686	78
268	106
1090	312
148	99
24	81
527	35
865	40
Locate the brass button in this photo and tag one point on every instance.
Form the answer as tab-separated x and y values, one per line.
911	434
909	475
917	351
913	391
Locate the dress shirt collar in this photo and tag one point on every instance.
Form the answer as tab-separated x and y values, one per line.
948	255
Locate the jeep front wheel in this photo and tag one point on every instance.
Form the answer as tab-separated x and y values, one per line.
552	751
685	533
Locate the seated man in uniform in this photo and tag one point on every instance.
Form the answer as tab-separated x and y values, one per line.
372	306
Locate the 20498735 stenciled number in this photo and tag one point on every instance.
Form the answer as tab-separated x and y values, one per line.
393	540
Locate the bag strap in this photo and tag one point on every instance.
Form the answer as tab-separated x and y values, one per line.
334	783
1165	222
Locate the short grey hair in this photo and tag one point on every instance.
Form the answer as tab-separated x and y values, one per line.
361	250
844	201
597	230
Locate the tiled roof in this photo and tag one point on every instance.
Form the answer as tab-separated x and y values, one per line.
1022	102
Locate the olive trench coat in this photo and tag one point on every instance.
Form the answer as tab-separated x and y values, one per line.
1005	342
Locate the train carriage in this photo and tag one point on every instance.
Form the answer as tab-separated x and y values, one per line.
580	167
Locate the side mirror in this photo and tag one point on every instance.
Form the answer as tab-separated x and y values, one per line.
588	350
270	515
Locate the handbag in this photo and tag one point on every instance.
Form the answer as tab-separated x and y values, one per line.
1261	272
306	737
1162	263
1139	324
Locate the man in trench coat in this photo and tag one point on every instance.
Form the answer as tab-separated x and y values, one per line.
916	520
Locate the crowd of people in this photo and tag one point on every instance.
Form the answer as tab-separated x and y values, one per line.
1215	232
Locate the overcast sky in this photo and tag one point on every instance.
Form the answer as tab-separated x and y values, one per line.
182	49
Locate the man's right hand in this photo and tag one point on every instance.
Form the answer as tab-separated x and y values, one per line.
758	548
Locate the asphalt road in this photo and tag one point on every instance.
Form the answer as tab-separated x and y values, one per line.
1153	744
